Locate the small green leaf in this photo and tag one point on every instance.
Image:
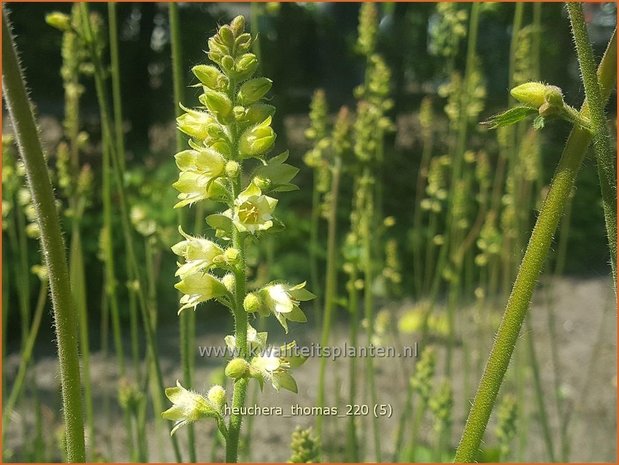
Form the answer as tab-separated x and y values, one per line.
297	315
284	380
509	117
278	174
286	188
279	159
222	222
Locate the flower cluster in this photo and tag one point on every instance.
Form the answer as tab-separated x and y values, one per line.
447	29
305	447
232	126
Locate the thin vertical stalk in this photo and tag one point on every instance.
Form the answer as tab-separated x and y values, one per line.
76	272
605	155
368	299
116	89
187	323
26	355
313	249
353	307
52	243
539	394
330	284
134	274
532	263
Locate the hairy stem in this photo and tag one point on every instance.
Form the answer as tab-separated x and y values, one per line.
52	243
530	268
605	155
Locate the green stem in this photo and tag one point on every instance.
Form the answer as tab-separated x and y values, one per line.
134	274
76	271
177	67
421	410
26	356
368	299
605	155
187	323
240	318
240	334
330	284
353	306
116	93
52	243
532	263
539	393
313	248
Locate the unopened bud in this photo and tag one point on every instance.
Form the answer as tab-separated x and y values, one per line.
60	21
237	368
238	25
252	303
232	169
229	282
262	183
217	396
253	90
231	255
530	93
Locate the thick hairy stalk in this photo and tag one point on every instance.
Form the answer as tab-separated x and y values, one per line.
65	316
605	155
240	334
530	268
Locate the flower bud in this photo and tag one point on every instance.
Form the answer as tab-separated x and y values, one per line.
227	36
60	21
238	25
227	63
40	271
229	282
253	90
237	368
530	93
252	303
243	42
208	75
33	231
258	112
232	169
218	103
231	255
262	183
217	396
389	221
257	140
246	65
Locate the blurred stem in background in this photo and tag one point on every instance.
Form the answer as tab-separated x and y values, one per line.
133	269
188	319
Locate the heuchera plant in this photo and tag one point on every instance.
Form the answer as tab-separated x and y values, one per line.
228	134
